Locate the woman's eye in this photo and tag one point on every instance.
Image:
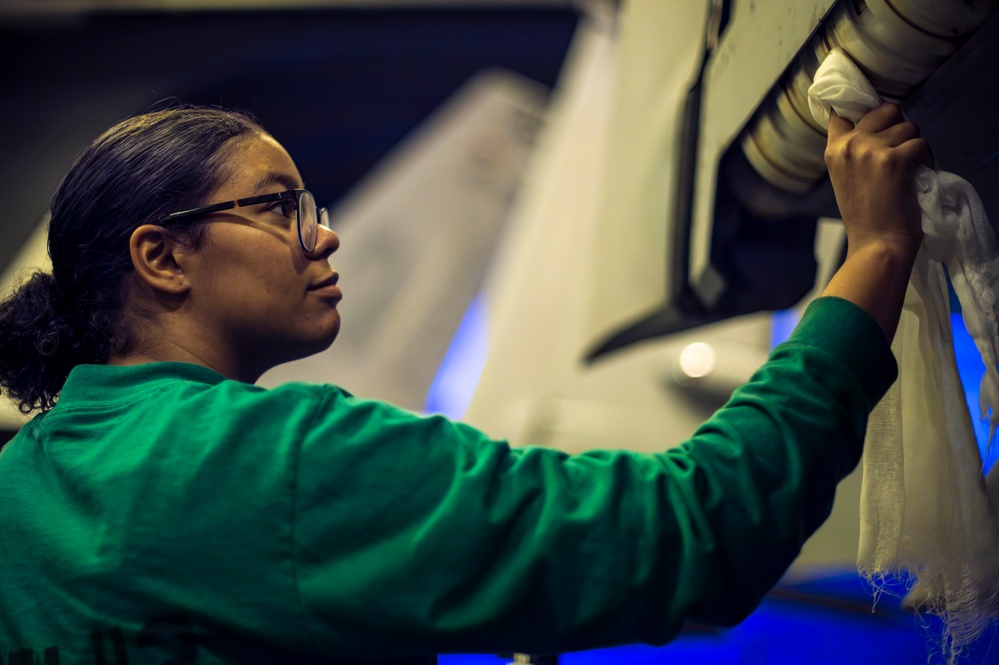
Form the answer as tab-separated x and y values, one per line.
285	208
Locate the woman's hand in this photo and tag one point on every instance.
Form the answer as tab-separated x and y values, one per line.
872	167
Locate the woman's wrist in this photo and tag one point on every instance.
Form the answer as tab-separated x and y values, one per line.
875	276
888	245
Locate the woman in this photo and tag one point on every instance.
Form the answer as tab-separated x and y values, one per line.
166	509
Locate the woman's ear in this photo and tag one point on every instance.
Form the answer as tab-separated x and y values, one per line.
158	260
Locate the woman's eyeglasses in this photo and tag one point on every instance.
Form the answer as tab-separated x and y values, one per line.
310	217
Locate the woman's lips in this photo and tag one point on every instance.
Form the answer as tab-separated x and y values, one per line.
329	291
328	287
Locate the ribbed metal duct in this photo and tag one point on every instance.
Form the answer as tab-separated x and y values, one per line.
897	43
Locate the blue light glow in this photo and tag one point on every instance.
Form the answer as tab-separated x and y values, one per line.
827	621
971	369
782	324
453	386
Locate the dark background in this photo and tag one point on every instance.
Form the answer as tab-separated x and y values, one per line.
337	87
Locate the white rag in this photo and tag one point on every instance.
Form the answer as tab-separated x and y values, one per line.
928	514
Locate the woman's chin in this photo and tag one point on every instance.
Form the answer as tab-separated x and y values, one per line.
318	343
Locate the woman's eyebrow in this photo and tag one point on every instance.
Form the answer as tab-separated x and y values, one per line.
272	178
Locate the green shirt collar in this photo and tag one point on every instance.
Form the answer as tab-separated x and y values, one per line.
93	383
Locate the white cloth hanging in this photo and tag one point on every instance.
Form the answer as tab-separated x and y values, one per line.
928	514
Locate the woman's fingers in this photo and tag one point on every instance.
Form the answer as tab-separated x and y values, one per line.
838	125
897	134
917	151
880	118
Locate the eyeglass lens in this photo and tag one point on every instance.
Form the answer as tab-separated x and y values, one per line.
308	225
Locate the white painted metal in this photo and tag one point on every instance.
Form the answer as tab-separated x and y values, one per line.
762	40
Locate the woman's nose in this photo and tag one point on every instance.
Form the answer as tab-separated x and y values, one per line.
327	242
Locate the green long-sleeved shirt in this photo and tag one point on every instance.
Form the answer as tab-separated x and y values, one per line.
161	511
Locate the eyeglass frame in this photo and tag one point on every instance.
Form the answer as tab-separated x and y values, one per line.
322	216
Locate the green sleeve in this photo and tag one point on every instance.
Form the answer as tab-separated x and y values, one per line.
419	535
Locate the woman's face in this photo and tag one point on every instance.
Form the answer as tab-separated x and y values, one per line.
254	288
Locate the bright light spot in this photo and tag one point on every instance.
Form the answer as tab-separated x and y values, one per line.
697	360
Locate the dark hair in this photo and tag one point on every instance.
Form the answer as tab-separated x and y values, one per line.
135	173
